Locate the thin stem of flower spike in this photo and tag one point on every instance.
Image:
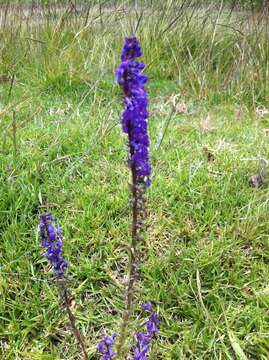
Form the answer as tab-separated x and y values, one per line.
77	334
132	268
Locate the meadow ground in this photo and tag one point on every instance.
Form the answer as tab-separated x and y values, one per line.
206	252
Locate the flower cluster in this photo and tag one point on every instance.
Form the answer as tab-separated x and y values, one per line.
134	117
141	350
143	340
105	347
52	239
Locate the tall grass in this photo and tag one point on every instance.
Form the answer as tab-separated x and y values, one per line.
209	52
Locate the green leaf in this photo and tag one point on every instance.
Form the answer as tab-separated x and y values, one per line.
37	355
236	346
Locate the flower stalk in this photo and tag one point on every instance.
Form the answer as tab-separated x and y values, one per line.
134	124
67	304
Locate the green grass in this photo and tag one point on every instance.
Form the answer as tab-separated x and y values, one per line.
206	253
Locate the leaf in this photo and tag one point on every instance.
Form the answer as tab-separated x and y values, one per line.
40	198
37	355
236	346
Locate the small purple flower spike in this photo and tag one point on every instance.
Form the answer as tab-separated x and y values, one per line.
143	345
52	239
134	117
105	347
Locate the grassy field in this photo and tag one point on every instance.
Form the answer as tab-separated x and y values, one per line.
206	254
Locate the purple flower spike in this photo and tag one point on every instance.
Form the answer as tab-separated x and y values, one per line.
134	117
52	239
105	347
143	341
147	306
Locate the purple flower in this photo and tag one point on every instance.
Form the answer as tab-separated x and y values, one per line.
147	306
131	49
52	239
143	344
152	324
134	117
105	347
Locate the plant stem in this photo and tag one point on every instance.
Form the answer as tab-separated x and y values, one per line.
14	132
132	268
72	318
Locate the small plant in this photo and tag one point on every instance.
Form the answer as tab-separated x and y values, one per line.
134	124
52	239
